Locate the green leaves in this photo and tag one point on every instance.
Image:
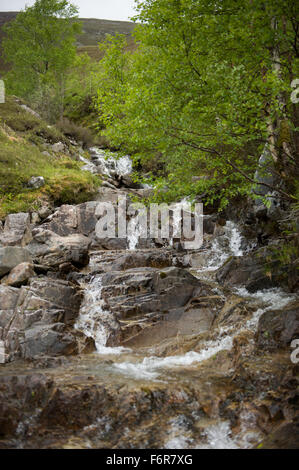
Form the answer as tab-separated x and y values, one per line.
39	45
199	91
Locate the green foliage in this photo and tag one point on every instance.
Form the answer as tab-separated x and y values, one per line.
200	91
40	46
75	131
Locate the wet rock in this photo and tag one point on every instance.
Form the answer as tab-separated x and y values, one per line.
286	436
20	275
48	339
36	182
50	249
140	297
255	271
209	224
16	230
144	290
110	243
11	256
198	260
277	328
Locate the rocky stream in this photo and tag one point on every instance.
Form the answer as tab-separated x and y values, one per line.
138	343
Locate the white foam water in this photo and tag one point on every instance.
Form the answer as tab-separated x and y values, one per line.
151	367
219	436
133	233
89	166
109	165
224	246
179	436
270	299
96	322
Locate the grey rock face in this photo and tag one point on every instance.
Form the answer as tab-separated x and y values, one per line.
254	272
16	230
11	256
8	301
145	290
259	270
69	219
50	249
38	319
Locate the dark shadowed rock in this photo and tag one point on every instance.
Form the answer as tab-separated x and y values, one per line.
255	271
277	328
286	436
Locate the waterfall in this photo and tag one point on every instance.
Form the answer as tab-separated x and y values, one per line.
96	322
108	165
224	246
133	233
103	162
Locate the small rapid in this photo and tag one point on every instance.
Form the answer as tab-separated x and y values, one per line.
149	365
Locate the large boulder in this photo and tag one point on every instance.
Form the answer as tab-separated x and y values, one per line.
11	256
16	230
41	320
69	219
20	275
139	291
50	249
256	271
152	303
278	328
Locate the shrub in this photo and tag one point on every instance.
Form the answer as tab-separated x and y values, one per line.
76	132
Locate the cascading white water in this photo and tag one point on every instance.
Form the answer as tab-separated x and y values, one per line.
219	436
106	163
224	246
273	299
133	233
89	166
94	321
109	165
152	367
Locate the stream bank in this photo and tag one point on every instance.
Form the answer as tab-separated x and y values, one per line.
126	343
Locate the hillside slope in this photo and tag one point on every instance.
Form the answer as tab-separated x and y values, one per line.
93	31
29	147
